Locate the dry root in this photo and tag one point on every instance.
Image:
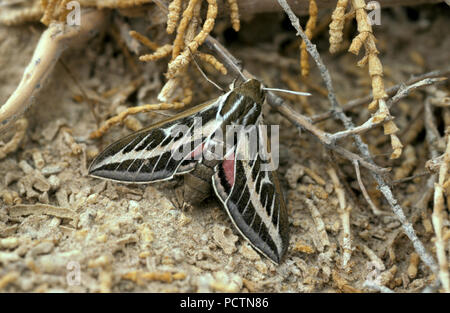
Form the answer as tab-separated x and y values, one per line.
234	14
337	25
186	43
177	92
53	41
344	213
366	38
173	15
438	217
208	58
54	10
120	118
21	128
310	26
160	52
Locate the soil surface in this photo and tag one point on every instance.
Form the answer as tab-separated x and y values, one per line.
66	231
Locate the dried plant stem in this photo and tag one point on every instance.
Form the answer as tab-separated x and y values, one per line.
186	44
160	52
404	91
121	4
372	205
376	261
366	38
310	26
144	40
362	147
311	48
178	43
208	58
130	111
344	214
320	225
180	60
407	87
234	14
438	220
337	25
369	124
174	15
49	9
40	208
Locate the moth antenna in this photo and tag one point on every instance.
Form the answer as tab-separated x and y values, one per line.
233	84
203	73
298	93
163	113
234	65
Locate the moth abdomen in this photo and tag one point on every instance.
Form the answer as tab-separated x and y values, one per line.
197	184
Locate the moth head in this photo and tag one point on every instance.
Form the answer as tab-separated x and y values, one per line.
251	88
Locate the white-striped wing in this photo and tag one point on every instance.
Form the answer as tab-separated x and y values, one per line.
252	198
163	150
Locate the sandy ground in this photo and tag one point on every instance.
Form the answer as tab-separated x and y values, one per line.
69	232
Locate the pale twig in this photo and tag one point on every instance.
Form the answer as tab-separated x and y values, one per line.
372	205
363	148
58	37
433	138
367	125
408	86
438	220
344	214
404	91
376	261
311	48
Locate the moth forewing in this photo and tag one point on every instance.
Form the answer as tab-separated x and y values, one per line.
149	155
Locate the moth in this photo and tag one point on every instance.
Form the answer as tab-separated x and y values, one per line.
242	180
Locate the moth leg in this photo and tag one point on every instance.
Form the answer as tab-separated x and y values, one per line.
177	199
